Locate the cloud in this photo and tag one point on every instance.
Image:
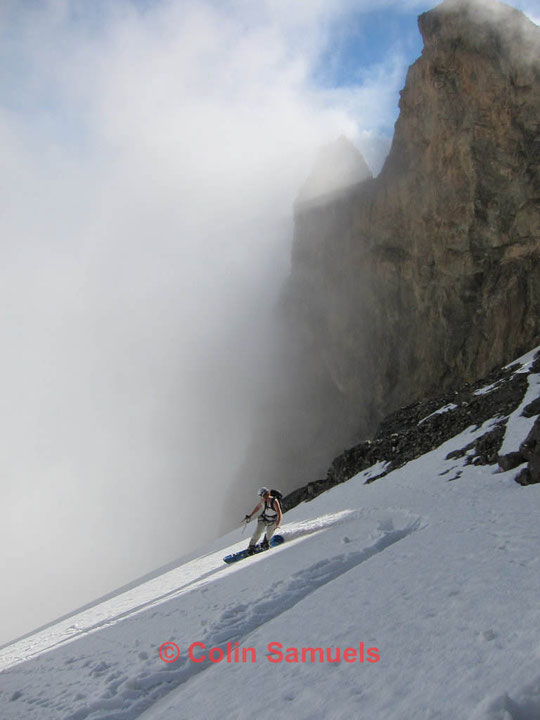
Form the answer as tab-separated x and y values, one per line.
151	154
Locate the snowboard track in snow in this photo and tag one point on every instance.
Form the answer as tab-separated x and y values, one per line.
140	693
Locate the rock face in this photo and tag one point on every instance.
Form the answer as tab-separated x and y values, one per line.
427	276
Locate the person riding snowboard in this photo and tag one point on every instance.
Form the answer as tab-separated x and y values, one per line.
269	519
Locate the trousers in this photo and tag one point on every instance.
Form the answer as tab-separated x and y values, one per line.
262	525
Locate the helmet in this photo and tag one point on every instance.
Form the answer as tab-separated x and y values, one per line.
262	491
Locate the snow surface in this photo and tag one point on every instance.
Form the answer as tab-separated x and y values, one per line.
440	411
441	576
486	389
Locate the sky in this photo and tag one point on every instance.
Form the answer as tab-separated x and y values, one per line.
151	152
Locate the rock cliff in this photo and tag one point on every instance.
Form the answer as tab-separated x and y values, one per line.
427	276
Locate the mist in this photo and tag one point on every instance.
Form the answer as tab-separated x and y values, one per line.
151	153
151	156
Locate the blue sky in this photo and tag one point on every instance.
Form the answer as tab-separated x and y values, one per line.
366	40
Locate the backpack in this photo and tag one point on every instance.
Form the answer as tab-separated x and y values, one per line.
274	495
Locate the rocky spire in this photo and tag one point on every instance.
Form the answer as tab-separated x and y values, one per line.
428	275
337	166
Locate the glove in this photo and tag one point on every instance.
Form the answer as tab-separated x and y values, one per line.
247	518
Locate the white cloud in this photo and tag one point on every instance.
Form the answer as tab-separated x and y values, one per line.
150	163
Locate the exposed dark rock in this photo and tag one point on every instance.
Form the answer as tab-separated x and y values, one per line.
532	409
485	449
510	461
530	450
523	477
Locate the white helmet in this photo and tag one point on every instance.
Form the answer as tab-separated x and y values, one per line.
263	491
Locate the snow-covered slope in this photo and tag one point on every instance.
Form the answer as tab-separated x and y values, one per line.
433	583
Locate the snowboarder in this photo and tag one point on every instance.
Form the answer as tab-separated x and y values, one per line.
269	519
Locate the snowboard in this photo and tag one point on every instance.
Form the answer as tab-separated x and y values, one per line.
235	557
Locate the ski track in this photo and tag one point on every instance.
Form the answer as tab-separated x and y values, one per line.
78	625
240	620
304	528
125	698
